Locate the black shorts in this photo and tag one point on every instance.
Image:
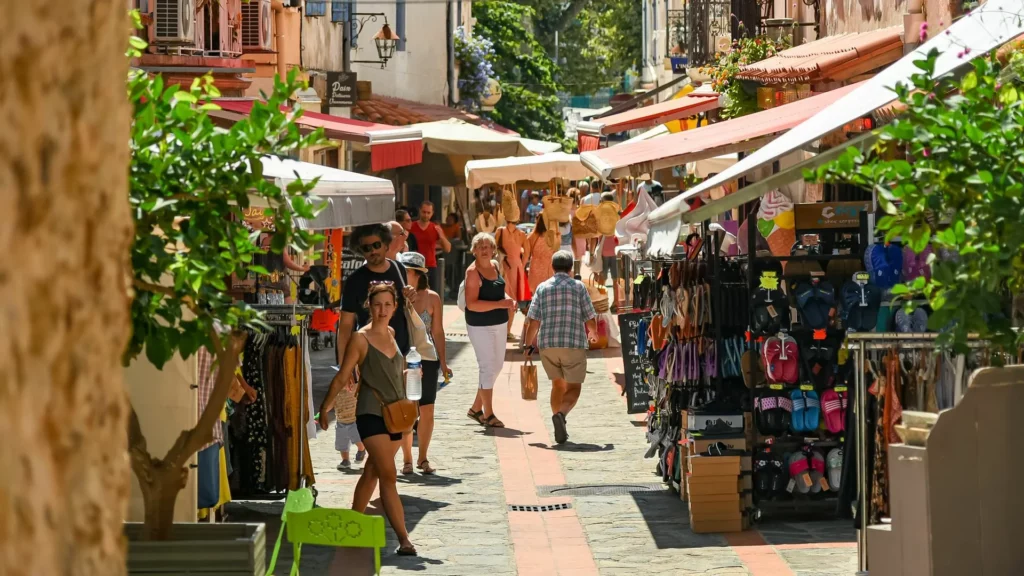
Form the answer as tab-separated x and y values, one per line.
431	371
372	425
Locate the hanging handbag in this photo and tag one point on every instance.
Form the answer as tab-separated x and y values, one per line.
584	222
399	417
509	205
528	380
557	206
607	217
418	334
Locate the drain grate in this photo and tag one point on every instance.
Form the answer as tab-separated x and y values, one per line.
598	489
544	508
456	336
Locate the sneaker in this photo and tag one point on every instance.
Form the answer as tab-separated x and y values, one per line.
561	435
345	465
360	456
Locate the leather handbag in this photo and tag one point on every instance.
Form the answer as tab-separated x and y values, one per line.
399	417
557	207
418	334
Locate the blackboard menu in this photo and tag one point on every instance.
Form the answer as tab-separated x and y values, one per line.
638	395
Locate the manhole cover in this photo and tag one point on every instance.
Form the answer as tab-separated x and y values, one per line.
598	489
544	508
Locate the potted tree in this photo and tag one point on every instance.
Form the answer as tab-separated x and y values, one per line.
189	184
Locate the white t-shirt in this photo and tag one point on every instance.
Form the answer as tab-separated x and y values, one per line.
592	198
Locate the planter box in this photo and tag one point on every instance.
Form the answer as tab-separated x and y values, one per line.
200	550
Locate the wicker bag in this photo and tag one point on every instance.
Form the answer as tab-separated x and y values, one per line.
509	205
584	222
558	207
607	217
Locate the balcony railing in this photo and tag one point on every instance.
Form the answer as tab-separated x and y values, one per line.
706	21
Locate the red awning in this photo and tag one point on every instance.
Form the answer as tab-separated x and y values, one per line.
390	146
644	117
734	135
836	58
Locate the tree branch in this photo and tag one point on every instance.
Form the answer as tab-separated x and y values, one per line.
141	460
154	288
570	14
190	441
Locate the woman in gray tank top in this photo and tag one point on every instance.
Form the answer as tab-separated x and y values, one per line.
381	380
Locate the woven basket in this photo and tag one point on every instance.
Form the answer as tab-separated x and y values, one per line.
557	207
584	222
509	205
607	217
601	306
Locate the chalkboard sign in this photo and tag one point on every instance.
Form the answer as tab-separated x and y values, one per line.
638	397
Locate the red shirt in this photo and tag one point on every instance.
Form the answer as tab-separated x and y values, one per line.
426	242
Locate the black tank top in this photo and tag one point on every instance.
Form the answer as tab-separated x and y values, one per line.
490	291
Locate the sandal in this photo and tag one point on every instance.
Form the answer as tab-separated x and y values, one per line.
493	422
407	468
478	416
409	550
425	467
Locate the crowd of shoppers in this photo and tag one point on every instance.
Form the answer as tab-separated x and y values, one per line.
397	288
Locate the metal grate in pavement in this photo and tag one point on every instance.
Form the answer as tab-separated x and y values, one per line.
544	508
456	336
598	489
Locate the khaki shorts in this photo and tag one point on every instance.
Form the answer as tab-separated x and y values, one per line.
569	364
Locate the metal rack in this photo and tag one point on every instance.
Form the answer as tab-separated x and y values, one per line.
860	344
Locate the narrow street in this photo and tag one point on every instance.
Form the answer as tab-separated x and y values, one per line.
460	518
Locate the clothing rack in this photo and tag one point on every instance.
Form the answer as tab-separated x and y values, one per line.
860	344
289	315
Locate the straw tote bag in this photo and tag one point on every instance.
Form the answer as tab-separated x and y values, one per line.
509	205
584	222
557	206
607	217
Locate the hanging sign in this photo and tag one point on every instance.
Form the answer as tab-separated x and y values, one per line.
824	215
341	89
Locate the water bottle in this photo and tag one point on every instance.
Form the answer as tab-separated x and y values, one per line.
414	379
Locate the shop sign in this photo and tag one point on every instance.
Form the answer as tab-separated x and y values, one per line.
824	215
341	89
679	64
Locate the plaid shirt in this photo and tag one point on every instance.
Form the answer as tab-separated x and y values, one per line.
562	306
207	378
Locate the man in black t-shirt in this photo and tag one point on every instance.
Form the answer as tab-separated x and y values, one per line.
372	242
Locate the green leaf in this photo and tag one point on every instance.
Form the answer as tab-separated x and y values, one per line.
970	81
899	289
1008	94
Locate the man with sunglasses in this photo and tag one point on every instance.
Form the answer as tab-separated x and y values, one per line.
372	242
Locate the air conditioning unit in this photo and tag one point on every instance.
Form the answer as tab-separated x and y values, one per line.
256	20
175	21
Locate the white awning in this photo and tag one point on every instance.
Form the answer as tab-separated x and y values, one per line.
514	169
988	26
351	199
540	146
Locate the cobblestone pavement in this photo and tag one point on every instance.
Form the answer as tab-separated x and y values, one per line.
460	521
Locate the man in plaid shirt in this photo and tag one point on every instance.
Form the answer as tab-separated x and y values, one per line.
560	310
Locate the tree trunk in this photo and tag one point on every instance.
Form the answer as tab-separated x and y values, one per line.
65	229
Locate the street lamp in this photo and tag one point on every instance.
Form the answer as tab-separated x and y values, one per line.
386	40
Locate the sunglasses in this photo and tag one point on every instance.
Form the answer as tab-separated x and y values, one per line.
367	248
381	282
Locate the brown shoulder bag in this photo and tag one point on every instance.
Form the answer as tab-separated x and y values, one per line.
400	416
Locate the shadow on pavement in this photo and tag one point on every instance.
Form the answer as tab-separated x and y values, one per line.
574	447
667	519
502	432
428	480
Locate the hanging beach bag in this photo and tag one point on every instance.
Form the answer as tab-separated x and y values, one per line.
607	217
557	206
509	205
584	222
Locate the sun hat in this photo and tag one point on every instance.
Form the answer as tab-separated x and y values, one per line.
414	261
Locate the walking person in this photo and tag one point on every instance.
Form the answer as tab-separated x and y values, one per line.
399	238
538	254
428	235
381	381
560	310
510	242
486	222
488	308
403	218
373	242
427	305
346	433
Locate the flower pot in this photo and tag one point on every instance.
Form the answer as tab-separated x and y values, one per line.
213	549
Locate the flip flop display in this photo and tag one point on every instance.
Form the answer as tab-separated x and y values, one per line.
817	470
835	421
834	464
799	407
813	412
800	471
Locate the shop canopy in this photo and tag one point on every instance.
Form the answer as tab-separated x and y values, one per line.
459	138
646	117
736	135
834	58
988	26
541	146
389	146
543	168
350	199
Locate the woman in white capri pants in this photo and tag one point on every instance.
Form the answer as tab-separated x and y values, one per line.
487	313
